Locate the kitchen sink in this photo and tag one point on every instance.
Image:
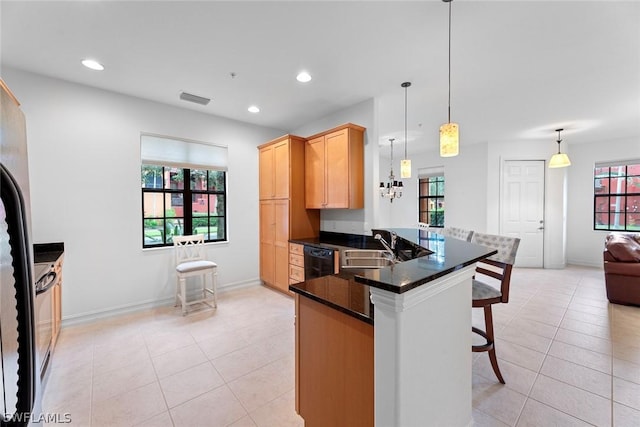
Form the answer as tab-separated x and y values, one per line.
365	258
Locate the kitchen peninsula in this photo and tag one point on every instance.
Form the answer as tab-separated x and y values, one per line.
391	344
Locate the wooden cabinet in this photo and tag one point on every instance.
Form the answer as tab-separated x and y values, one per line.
57	303
334	169
274	169
274	242
296	263
283	215
334	367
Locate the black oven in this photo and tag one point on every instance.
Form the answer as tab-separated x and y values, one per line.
319	262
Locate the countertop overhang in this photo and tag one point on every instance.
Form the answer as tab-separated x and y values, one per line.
340	292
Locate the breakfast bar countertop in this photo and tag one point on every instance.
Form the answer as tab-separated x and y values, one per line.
449	254
342	291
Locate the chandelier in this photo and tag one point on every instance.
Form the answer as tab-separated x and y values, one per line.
393	189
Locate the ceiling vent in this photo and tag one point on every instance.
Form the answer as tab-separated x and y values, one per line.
194	98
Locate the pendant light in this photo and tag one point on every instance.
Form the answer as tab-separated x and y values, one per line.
449	132
405	164
393	189
559	160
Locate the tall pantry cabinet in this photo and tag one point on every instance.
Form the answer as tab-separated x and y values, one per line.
283	215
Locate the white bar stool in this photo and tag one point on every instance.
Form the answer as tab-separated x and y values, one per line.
190	262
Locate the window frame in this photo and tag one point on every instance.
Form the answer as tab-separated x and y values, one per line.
601	199
187	199
436	177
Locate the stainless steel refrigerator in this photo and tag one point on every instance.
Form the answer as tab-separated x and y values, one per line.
19	380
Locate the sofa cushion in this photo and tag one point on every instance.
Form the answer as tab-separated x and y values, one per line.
623	247
623	269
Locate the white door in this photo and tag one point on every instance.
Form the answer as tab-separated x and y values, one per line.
522	209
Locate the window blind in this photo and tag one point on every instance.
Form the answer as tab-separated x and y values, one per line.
182	153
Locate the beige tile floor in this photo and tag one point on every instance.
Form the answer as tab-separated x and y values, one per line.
568	356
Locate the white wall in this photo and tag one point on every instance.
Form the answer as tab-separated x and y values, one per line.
84	160
356	221
585	245
472	191
465	188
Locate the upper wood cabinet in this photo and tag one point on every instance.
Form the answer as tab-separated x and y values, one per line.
275	169
334	169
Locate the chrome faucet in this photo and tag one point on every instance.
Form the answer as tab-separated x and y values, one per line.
394	238
389	247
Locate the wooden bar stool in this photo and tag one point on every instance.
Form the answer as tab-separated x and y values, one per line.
484	295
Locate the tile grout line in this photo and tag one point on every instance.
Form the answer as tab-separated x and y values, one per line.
611	320
573	295
538	373
547	353
529	391
93	350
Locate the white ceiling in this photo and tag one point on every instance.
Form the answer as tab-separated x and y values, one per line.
519	68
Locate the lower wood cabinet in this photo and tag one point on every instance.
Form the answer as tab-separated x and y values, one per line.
296	263
274	243
334	367
56	321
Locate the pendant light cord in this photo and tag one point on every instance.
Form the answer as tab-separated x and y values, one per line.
405	121
391	162
449	101
559	140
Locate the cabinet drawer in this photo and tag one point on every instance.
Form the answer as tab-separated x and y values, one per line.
296	259
295	248
296	273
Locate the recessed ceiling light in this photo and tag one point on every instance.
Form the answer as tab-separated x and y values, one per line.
303	77
253	109
94	65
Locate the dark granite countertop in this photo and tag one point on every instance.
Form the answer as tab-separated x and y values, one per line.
47	252
331	240
448	255
341	292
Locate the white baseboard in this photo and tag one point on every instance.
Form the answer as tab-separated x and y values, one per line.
586	263
92	316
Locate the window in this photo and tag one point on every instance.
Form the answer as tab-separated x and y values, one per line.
179	195
431	200
616	190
